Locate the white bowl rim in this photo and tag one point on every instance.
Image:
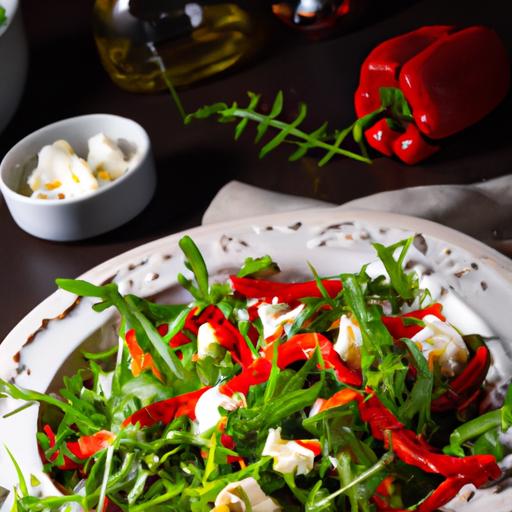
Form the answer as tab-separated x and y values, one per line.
12	14
16	196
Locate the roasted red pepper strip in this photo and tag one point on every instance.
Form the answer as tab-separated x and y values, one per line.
310	444
284	292
85	447
257	373
340	398
398	329
232	340
140	360
408	447
228	335
301	347
450	79
166	410
466	383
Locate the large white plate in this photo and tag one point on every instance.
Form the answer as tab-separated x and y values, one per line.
464	269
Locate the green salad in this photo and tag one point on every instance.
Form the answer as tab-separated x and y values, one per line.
341	393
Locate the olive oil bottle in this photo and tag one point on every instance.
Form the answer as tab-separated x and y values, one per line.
140	40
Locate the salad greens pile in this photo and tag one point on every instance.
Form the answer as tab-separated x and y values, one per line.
338	393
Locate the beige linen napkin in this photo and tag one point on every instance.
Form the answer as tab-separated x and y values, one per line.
482	210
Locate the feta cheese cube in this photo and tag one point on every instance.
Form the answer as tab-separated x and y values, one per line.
349	341
289	456
440	341
244	495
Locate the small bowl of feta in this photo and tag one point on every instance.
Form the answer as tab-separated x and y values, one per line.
78	178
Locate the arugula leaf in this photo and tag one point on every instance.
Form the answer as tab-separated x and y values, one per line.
8	389
420	397
86	289
258	267
405	284
498	419
21	479
195	263
3	16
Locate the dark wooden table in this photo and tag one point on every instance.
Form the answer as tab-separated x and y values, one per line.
66	79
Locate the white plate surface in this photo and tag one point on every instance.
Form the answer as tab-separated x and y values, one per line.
463	270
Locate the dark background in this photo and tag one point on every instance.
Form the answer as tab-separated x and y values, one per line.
66	79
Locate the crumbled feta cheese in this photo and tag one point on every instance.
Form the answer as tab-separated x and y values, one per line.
207	408
61	174
243	496
440	341
207	341
274	316
349	341
105	155
289	456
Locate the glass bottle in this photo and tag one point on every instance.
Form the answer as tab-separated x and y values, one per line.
318	19
139	40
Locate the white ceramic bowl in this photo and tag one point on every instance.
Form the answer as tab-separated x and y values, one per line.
13	61
92	214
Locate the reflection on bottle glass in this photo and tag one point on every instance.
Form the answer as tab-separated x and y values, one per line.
194	40
315	16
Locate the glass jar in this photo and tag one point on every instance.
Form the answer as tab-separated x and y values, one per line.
140	40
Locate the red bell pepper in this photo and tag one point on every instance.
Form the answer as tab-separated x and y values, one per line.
228	335
256	373
140	360
340	398
450	79
284	292
311	444
465	384
83	448
411	147
301	347
411	449
398	329
166	410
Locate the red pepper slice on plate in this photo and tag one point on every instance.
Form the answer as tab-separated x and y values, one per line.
83	448
340	398
301	347
466	383
411	449
398	329
310	444
166	410
228	335
140	360
450	79
256	373
284	292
